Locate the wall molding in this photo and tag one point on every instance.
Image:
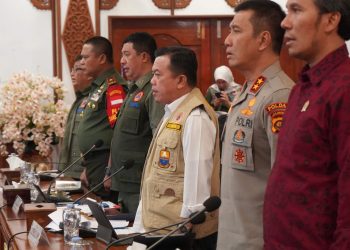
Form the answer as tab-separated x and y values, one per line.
233	3
107	4
42	4
169	4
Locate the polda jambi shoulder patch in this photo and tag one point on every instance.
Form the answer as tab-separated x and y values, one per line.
276	111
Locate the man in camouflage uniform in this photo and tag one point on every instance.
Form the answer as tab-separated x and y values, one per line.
99	115
137	120
70	148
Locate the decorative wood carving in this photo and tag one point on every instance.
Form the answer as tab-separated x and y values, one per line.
166	4
107	4
77	28
233	3
42	4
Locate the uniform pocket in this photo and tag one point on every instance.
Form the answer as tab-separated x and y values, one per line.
131	121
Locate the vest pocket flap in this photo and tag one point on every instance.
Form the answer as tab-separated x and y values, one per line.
242	137
168	142
167	190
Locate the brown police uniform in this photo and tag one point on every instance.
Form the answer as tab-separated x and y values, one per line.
247	157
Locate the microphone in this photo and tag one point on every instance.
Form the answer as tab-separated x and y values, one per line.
196	220
210	204
97	144
128	164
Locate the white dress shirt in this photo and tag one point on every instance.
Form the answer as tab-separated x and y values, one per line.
198	150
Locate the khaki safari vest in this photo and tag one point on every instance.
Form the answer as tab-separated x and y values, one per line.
163	176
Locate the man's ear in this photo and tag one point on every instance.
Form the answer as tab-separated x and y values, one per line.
102	59
182	81
145	57
264	40
332	21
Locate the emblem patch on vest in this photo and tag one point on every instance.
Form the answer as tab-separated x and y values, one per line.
239	156
239	136
276	111
164	158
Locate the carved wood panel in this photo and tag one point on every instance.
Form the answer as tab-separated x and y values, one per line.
233	3
42	4
107	4
77	28
167	4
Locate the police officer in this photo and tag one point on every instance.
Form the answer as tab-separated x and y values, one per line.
255	118
70	148
107	93
137	120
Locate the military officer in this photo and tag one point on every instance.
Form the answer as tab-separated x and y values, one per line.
100	112
137	120
70	148
255	118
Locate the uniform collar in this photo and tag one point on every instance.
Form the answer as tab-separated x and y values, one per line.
84	92
170	108
142	81
102	77
315	74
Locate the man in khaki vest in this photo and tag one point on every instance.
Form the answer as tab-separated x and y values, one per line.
182	168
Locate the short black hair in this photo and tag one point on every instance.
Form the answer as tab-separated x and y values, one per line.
142	42
182	61
341	6
267	15
101	45
78	58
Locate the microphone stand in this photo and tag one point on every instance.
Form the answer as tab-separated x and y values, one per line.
140	234
67	168
174	230
98	185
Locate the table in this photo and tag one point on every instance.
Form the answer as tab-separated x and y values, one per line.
10	225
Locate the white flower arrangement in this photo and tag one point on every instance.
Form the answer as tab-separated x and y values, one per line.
32	111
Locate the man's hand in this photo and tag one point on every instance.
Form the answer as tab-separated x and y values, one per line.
107	184
83	178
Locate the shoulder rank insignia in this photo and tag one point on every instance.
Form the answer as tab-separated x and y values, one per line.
257	85
174	126
276	111
111	80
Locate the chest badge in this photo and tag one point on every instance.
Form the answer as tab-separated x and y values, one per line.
247	111
305	106
239	156
164	158
138	96
239	136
